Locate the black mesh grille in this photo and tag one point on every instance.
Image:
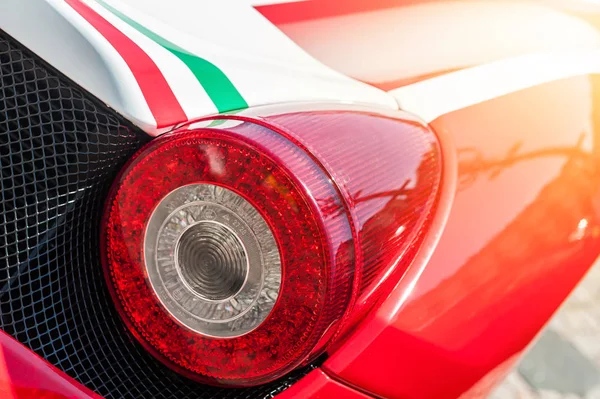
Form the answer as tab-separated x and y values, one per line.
60	150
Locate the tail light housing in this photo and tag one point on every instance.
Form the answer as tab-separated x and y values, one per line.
238	249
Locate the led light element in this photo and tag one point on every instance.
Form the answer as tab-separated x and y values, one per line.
212	260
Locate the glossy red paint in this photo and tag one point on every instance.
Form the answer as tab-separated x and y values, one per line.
297	11
24	375
523	228
317	385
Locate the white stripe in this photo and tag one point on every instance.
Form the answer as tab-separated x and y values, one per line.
441	95
188	91
264	65
133	104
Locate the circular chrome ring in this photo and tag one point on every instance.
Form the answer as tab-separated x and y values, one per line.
212	260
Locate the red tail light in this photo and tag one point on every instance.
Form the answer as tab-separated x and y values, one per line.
238	252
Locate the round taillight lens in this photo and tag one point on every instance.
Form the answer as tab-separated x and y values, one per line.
224	255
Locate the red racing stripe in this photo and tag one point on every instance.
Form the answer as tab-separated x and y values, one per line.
308	10
158	94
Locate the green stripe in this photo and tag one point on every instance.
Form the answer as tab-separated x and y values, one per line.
217	122
218	87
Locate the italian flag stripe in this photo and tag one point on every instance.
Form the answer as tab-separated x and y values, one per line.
156	91
217	85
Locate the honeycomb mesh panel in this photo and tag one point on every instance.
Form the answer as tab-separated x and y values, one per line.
60	149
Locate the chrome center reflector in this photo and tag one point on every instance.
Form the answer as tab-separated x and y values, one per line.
212	260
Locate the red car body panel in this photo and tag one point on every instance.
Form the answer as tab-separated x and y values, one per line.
24	375
522	231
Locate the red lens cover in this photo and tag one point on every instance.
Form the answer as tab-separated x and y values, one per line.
388	170
288	189
347	196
